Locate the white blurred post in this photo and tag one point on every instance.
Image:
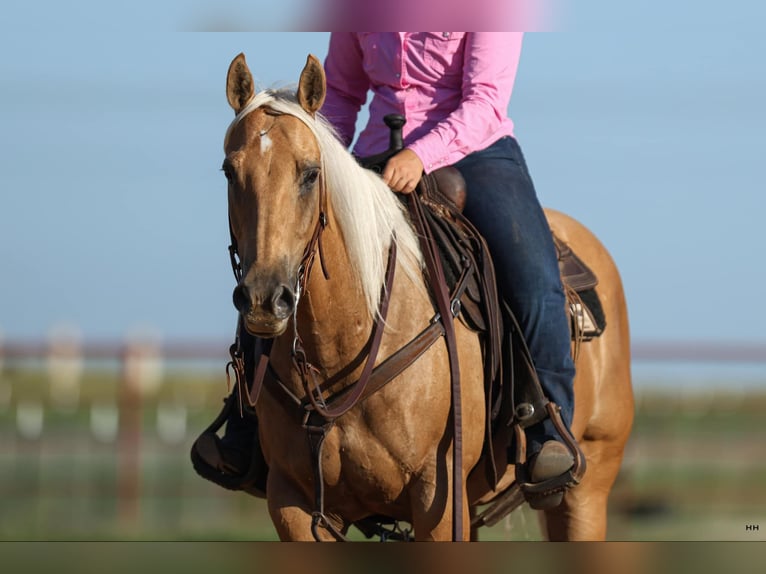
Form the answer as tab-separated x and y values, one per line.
30	419
65	366
143	362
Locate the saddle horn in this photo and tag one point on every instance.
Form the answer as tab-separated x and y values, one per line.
377	162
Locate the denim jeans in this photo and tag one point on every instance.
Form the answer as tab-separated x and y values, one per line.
502	203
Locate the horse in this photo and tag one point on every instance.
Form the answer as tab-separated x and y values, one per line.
296	196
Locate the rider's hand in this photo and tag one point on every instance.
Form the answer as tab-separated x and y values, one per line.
403	171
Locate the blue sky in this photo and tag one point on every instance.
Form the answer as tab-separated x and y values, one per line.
646	123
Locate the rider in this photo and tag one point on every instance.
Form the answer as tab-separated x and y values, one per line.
454	89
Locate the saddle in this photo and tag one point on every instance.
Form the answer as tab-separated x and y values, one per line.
444	192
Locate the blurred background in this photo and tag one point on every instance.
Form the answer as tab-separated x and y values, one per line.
643	122
96	436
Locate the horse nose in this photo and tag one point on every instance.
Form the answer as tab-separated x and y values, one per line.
241	297
283	302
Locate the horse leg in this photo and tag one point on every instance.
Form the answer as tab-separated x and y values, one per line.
474	529
290	512
432	510
583	513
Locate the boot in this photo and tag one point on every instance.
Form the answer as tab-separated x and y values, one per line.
555	462
234	461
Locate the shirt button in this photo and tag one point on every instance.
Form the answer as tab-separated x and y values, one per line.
398	75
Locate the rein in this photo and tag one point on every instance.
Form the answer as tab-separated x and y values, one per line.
448	308
307	371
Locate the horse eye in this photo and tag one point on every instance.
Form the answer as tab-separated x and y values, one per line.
227	172
309	177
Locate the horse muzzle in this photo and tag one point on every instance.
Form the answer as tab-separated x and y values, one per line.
265	308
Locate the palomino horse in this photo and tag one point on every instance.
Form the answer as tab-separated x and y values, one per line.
296	195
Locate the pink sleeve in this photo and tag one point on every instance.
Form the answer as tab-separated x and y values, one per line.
489	71
347	84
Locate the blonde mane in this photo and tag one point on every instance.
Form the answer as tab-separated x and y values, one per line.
368	214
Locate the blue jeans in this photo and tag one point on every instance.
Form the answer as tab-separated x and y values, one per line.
503	205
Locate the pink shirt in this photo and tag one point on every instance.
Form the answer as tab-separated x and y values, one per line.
453	88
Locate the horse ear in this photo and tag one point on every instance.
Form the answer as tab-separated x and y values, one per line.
312	85
239	83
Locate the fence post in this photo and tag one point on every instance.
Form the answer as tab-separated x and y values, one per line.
129	439
141	375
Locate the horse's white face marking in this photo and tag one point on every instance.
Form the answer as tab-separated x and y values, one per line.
265	142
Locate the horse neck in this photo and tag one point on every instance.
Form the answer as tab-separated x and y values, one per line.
333	322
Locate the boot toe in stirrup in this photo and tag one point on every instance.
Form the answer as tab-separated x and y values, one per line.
551	465
225	466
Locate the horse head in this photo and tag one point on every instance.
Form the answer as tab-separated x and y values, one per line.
276	200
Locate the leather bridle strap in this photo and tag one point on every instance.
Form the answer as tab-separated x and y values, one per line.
236	266
314	245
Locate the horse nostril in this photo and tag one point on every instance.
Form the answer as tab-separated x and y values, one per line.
241	297
283	302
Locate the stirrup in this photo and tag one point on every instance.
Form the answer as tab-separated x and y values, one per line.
251	481
549	493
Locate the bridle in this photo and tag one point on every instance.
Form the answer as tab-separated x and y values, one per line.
313	247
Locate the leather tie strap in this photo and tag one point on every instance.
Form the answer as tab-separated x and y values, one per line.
444	307
316	436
